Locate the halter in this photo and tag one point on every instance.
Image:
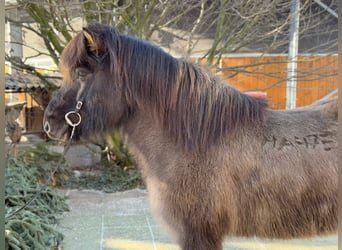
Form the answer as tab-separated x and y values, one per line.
73	118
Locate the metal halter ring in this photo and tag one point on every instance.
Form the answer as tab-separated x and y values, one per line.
73	118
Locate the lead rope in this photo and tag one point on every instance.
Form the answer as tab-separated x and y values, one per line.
71	123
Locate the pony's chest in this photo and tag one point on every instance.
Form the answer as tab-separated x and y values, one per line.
156	160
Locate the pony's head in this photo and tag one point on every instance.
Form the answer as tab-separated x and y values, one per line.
91	87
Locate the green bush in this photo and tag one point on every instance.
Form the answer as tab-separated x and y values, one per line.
110	178
116	171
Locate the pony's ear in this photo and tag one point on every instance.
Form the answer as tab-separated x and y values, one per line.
90	41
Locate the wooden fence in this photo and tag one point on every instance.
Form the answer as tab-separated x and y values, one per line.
317	76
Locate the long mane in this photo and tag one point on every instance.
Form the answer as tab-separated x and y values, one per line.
191	104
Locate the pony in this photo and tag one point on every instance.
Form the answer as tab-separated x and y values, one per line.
216	162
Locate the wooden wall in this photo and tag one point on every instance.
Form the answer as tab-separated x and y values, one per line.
317	76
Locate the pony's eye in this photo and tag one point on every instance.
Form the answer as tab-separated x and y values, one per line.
81	73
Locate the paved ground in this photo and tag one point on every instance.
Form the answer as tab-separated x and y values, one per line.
122	221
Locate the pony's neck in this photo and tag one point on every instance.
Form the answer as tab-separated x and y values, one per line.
190	104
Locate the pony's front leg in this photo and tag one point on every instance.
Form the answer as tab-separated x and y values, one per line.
192	228
200	238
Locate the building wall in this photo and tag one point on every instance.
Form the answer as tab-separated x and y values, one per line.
317	76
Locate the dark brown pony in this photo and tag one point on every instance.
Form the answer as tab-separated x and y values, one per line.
216	161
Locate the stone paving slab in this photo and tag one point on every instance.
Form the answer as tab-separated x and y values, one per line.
122	221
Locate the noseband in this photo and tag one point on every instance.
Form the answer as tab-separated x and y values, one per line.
73	118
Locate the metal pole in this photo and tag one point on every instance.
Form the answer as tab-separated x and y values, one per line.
291	87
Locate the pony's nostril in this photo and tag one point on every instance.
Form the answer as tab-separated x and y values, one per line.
46	127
